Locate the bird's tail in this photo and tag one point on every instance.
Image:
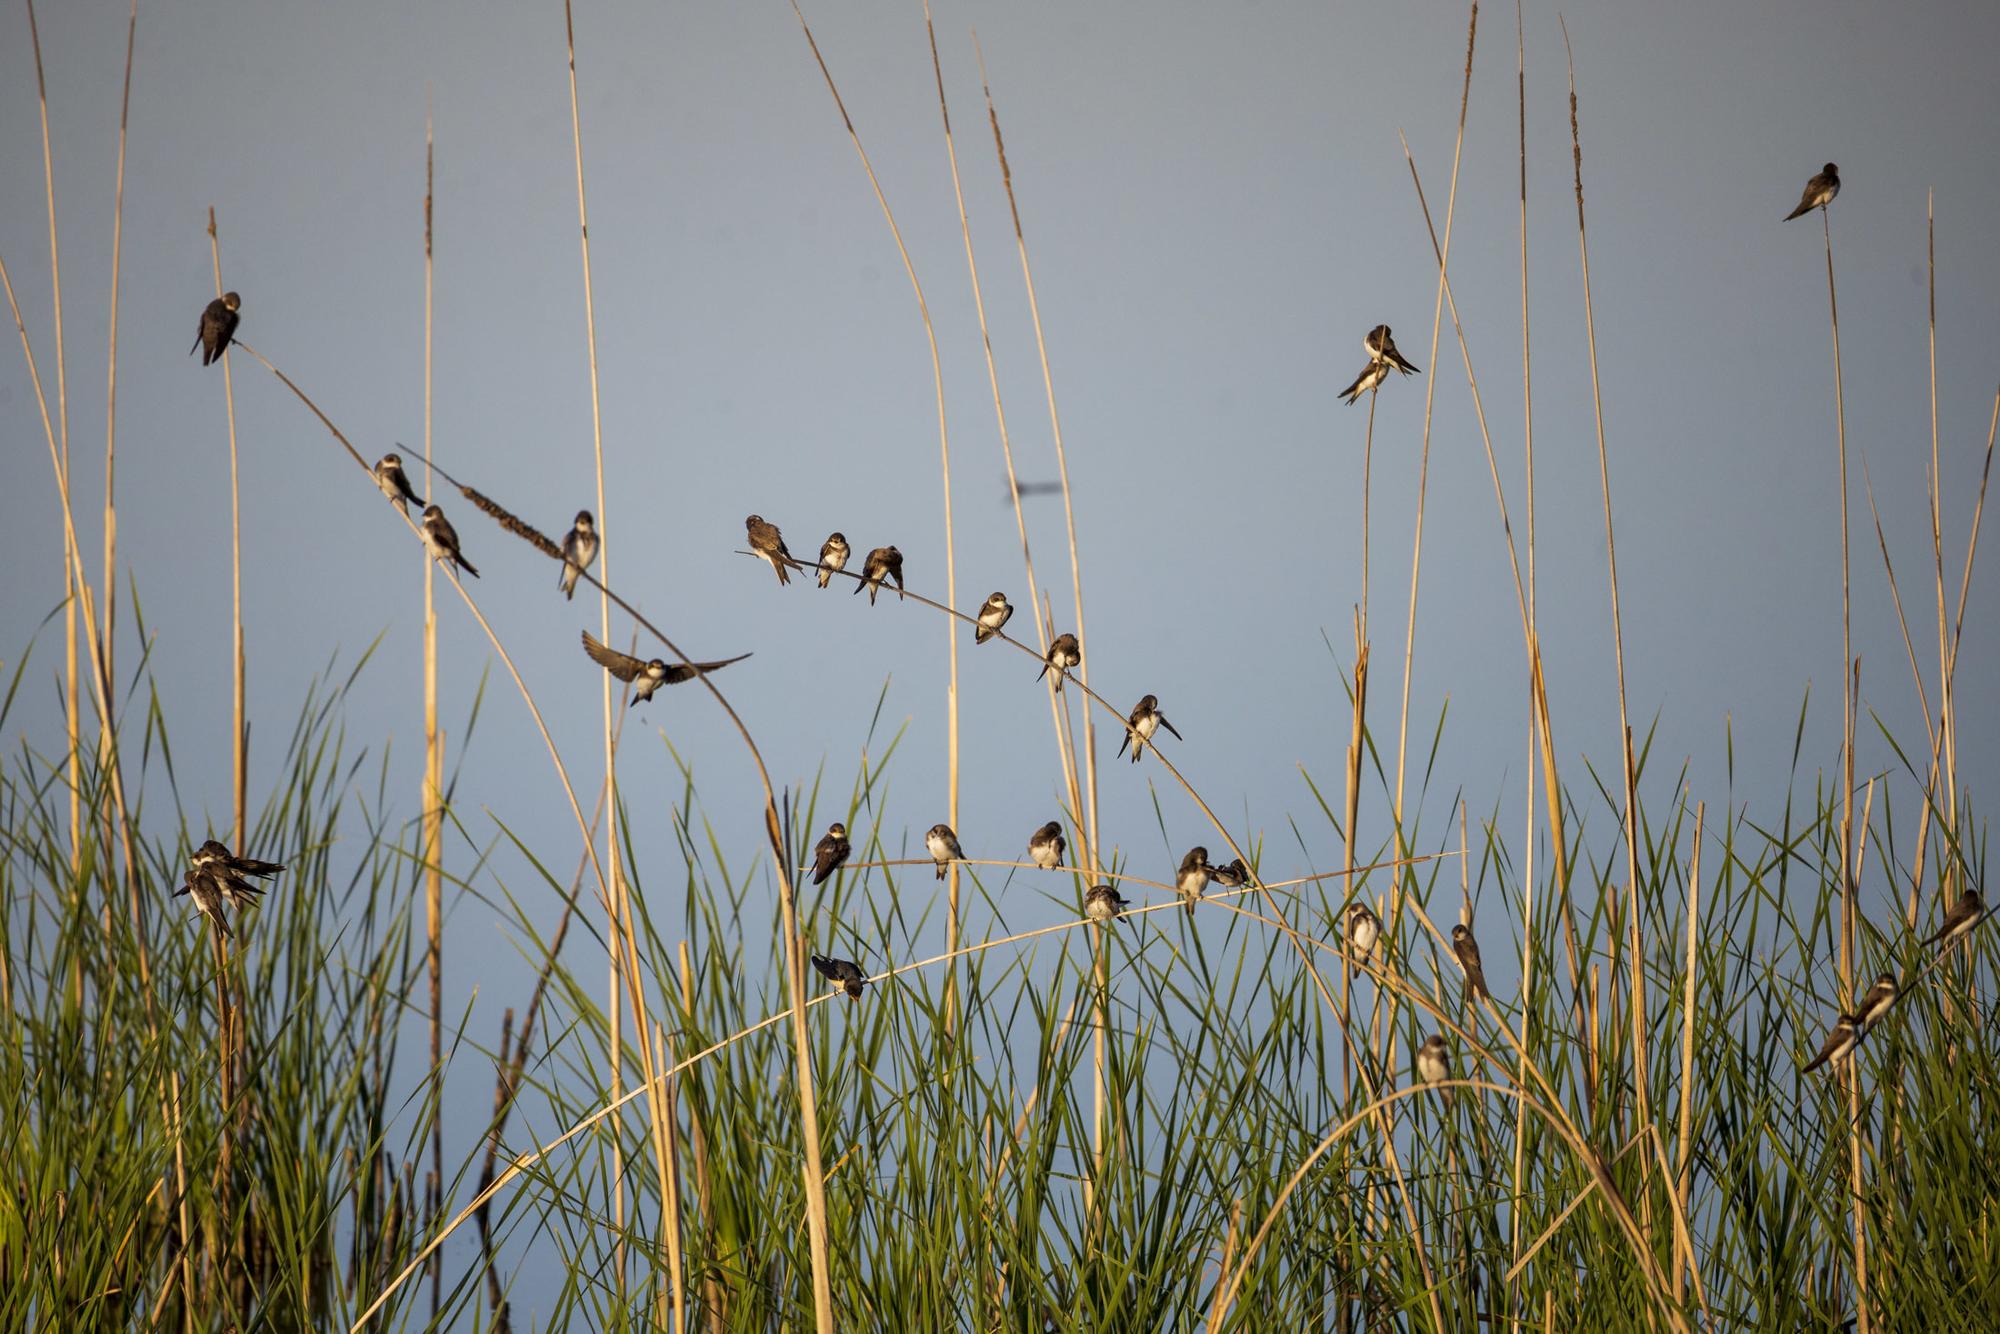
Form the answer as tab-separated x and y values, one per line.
468	567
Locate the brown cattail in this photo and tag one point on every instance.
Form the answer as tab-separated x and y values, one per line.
525	531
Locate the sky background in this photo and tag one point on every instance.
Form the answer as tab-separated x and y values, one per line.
1216	207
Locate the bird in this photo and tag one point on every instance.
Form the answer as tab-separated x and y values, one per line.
442	541
395	484
944	847
213	854
991	617
882	563
1064	654
649	674
1139	728
1046	846
1371	376
1877	1002
1381	348
217	328
1846	1032
845	974
1467	950
832	849
1964	915
1193	877
579	550
207	897
768	542
1820	191
1433	1059
1233	876
1102	903
1363	927
832	558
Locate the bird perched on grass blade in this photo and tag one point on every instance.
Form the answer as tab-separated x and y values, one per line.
944	849
845	974
1964	915
395	484
832	558
441	540
1233	876
1467	950
882	563
991	617
1371	376
1381	347
1846	1032
831	850
1139	728
1433	1059
768	542
1193	877
1103	903
218	327
1820	191
1065	653
1363	928
1046	846
208	898
1877	1002
579	549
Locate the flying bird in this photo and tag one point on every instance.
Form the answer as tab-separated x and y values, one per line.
441	539
1371	376
1139	728
1820	191
991	617
1363	928
395	484
1193	877
579	549
832	558
1846	1032
208	899
1382	348
832	849
1064	654
1046	846
1433	1059
845	974
1964	915
1467	950
218	327
882	563
1102	903
943	845
1877	1002
648	675
768	542
1233	876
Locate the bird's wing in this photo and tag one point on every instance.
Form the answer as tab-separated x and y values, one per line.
686	671
621	665
1170	727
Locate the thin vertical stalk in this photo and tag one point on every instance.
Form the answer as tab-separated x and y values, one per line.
239	747
1683	1175
108	632
713	1312
433	783
1947	719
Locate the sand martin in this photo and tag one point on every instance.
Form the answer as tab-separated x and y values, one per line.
441	539
1467	950
991	617
1233	876
1877	1002
768	542
1139	728
1382	348
1193	877
648	676
1433	1059
832	849
1964	915
218	327
579	550
395	484
1371	375
845	974
1103	903
1064	654
882	563
1363	928
213	855
832	558
1820	191
208	898
1046	846
944	847
1846	1032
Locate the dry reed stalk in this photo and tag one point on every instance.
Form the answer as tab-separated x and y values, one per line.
239	749
713	1307
675	1298
432	797
1683	1175
1947	717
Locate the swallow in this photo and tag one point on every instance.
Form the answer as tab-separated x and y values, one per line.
882	563
1467	950
208	899
579	550
1433	1059
217	328
1964	915
1846	1032
1382	349
1820	191
1103	903
1363	927
1046	846
1877	1002
991	617
1064	654
832	849
235	890
649	675
1233	876
944	847
212	855
395	484
1371	376
1139	728
768	542
845	974
832	558
1193	877
441	539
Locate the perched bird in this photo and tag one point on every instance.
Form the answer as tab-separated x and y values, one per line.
1363	928
1371	376
882	563
649	675
1064	654
991	617
1233	876
390	477
1102	902
208	899
1139	728
1433	1059
1382	348
832	558
1846	1032
1877	1002
944	847
218	327
1193	877
213	855
845	974
832	849
235	890
1964	915
441	539
579	550
1046	846
1820	191
1467	950
768	542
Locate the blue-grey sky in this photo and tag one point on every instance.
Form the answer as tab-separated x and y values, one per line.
1217	208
